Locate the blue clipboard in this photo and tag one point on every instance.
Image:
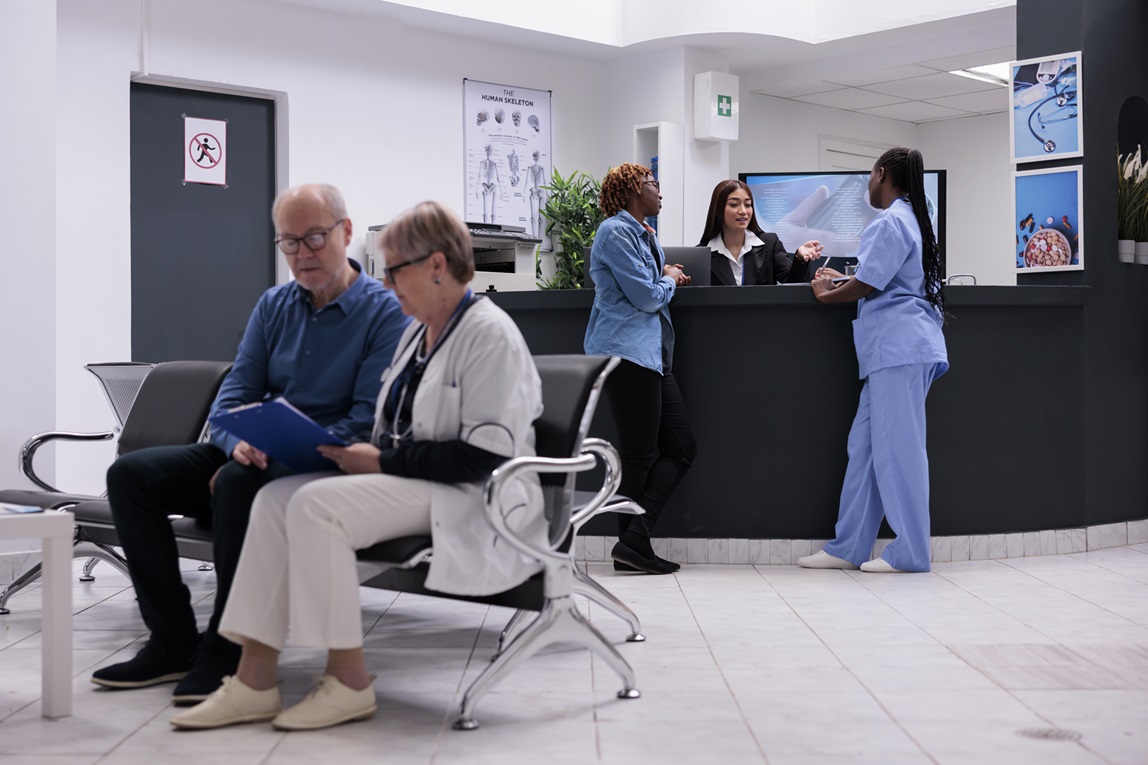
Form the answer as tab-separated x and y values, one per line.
282	432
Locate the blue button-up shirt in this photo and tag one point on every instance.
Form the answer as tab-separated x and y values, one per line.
328	363
631	314
895	325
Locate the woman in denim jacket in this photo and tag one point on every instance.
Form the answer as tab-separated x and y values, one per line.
631	320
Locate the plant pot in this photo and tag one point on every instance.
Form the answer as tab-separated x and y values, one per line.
1126	250
1142	253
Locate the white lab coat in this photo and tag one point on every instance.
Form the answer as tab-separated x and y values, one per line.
481	387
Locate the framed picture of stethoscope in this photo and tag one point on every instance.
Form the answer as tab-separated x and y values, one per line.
1046	112
1047	205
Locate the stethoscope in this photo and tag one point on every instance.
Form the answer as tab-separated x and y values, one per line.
1064	111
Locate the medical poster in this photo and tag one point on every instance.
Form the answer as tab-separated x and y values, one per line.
1046	112
1049	224
507	145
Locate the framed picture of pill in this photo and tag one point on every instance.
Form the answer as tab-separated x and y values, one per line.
1049	225
1047	119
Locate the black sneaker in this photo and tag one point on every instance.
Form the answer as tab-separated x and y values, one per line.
208	669
154	664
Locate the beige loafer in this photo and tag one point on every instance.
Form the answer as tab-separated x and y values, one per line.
232	704
329	703
822	559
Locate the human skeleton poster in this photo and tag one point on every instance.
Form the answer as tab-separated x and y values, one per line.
508	155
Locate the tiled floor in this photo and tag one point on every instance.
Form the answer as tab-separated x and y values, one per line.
744	664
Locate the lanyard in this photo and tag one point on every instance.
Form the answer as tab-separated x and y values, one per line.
408	380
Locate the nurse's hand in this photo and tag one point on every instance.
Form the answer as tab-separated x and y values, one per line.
832	273
823	283
354	459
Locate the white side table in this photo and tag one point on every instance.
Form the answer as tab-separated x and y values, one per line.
55	529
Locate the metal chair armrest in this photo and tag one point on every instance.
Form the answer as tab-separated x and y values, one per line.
504	475
28	451
600	503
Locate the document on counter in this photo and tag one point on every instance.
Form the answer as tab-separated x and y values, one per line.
282	432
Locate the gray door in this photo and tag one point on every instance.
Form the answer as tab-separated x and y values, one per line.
201	255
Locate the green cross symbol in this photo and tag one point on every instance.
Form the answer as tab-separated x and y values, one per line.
724	106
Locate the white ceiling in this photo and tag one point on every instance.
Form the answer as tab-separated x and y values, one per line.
900	74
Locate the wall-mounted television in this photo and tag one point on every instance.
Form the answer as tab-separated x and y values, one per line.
832	207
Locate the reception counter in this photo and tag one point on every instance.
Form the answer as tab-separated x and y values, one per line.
770	378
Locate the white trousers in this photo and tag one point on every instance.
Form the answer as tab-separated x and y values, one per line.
297	570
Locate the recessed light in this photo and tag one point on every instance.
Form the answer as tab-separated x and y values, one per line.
997	74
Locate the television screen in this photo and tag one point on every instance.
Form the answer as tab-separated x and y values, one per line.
832	207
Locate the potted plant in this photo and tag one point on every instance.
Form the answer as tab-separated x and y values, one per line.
572	213
1132	208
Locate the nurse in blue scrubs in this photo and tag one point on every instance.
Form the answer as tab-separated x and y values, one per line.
900	351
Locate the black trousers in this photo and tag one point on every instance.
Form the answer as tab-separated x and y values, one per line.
655	439
144	488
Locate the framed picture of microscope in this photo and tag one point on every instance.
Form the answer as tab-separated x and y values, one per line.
1047	117
508	155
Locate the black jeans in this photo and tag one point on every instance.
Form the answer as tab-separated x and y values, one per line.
144	488
655	439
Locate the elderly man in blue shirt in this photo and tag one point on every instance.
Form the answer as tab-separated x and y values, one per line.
323	342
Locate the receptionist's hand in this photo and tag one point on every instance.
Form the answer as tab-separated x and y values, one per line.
353	459
811	250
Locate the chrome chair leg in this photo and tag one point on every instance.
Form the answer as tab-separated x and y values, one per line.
510	631
19	583
560	621
205	566
89	564
586	586
96	553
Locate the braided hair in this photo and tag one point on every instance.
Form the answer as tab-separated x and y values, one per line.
906	169
619	184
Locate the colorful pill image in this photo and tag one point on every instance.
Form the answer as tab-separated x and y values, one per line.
1064	220
1031	224
1026	238
1026	222
1018	240
1049	220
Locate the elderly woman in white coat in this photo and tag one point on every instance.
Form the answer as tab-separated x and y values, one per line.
459	398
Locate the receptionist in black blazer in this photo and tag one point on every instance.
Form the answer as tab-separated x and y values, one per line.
743	254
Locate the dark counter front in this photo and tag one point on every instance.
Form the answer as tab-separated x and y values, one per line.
770	378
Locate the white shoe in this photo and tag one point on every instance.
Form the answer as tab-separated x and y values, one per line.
880	566
233	703
822	559
329	703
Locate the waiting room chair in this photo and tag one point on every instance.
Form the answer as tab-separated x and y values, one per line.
571	387
170	408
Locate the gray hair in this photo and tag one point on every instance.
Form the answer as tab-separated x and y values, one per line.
429	227
331	196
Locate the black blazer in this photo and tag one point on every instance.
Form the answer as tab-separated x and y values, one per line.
767	263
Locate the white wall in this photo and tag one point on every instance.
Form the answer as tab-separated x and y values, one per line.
975	152
28	220
373	108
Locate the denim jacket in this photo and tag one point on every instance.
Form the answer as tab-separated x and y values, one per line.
631	314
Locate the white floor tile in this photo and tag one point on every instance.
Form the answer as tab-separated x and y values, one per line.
765	663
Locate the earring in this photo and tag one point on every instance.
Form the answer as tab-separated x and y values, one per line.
437	280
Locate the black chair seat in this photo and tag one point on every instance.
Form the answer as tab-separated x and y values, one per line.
46	500
528	596
396	551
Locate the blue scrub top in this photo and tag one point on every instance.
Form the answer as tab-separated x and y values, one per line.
895	325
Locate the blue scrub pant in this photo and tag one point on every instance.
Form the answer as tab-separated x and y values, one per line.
888	472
